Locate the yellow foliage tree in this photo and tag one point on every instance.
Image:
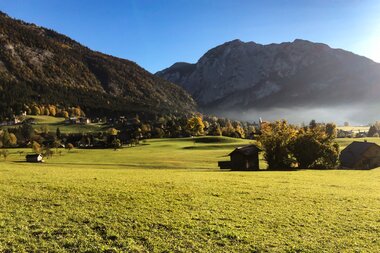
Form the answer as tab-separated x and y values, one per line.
36	147
195	126
275	140
52	110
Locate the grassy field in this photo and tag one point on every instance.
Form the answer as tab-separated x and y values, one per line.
52	123
169	196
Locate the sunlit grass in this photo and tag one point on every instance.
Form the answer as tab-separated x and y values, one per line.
168	195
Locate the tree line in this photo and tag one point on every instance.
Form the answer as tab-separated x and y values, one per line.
125	132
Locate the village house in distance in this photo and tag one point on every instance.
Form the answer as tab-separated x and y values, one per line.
242	158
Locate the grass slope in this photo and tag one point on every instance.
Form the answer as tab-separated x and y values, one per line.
168	196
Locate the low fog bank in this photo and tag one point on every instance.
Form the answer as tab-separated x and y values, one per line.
354	114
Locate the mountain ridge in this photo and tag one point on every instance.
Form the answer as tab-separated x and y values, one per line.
248	76
44	66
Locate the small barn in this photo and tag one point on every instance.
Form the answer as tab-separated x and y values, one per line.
242	158
34	158
360	155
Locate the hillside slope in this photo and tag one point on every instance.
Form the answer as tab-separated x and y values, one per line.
40	65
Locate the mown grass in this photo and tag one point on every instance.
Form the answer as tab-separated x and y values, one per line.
166	197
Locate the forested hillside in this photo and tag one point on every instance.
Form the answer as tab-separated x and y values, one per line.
38	65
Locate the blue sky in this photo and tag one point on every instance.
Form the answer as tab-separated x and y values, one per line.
157	33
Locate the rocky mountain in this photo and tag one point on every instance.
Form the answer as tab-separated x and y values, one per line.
43	66
240	77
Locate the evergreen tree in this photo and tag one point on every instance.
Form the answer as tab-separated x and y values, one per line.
58	133
372	131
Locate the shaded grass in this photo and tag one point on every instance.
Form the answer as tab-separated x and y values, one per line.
215	139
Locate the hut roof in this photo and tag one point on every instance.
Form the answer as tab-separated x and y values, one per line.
246	150
33	155
353	152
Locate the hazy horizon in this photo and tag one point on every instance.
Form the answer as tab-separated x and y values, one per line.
355	116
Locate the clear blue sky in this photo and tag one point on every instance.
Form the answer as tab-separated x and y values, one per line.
157	33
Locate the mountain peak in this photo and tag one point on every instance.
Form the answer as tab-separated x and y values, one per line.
234	42
241	76
302	41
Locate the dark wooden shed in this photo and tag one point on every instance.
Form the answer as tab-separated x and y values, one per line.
34	158
242	158
360	155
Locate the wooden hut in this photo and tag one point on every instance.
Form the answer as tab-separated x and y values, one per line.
242	158
360	155
34	158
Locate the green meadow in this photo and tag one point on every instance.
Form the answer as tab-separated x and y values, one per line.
168	195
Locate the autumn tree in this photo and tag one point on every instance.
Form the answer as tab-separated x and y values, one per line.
239	131
112	131
6	138
251	132
12	139
46	111
65	114
228	129
36	147
52	110
195	126
215	130
35	110
69	146
314	147
275	140
116	144
146	130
